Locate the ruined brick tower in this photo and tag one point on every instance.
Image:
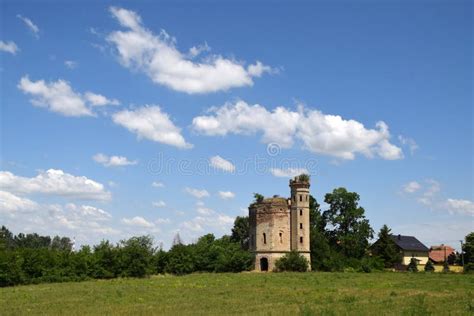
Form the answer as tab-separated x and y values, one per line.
279	225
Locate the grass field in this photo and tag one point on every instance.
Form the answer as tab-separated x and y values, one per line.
251	293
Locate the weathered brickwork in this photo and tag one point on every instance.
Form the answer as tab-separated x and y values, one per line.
279	225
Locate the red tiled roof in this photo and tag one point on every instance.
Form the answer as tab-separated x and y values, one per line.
437	253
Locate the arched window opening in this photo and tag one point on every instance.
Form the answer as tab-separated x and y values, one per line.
301	239
264	238
301	212
301	225
301	197
281	238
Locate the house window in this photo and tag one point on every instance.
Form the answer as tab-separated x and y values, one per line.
301	225
301	197
281	238
301	240
264	238
301	212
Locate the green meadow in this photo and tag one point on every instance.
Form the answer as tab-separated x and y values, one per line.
250	293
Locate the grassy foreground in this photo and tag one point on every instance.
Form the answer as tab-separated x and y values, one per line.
251	293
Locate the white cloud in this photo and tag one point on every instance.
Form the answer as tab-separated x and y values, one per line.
225	195
71	64
163	221
411	187
83	221
462	207
9	47
138	221
287	173
157	184
319	133
10	203
58	96
151	123
99	100
55	182
430	195
159	204
410	142
199	194
33	27
204	210
88	211
113	161
220	163
157	56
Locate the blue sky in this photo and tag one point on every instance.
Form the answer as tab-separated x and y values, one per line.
213	102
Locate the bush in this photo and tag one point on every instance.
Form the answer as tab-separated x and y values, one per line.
469	268
429	267
413	265
292	261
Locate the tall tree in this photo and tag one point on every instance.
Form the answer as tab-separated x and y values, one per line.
468	252
240	231
386	249
320	250
351	230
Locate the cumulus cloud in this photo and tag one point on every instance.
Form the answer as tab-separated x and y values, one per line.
462	207
55	182
157	184
151	123
9	47
430	195
138	221
287	173
220	163
159	204
71	64
58	96
411	187
410	142
99	100
113	161
33	27
225	195
156	55
199	194
319	133
10	203
83	221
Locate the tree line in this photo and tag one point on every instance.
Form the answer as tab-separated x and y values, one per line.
340	239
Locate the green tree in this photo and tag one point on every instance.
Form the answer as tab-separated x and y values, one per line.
385	248
292	261
413	265
351	230
429	267
468	251
320	250
136	256
180	260
258	197
240	231
61	243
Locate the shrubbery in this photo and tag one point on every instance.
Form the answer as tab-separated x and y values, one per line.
292	261
38	262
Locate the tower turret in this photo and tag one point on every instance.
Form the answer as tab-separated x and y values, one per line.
300	229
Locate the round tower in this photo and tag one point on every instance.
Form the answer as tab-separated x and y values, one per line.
300	228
